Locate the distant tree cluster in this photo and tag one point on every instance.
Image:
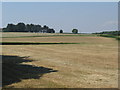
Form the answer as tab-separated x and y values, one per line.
109	32
21	27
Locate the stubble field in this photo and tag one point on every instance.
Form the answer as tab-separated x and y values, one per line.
91	63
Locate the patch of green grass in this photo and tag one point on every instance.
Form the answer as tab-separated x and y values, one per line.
118	38
110	36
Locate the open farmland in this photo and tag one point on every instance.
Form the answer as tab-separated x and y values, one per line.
91	63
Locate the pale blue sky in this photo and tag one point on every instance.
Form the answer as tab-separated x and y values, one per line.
85	16
0	14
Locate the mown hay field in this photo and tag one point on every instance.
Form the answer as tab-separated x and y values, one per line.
92	63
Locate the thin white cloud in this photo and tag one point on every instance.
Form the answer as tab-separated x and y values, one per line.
110	25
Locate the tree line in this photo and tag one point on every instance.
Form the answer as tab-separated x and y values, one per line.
109	33
21	27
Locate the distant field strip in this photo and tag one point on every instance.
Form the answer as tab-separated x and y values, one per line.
4	35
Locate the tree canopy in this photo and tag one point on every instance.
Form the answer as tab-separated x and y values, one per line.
75	31
61	31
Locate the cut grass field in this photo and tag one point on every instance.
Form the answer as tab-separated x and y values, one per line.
92	64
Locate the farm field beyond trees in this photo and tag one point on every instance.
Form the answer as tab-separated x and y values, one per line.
91	63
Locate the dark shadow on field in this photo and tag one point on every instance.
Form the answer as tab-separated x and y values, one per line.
32	43
13	71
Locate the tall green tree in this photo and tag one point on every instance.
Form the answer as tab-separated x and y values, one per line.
50	31
10	28
61	31
75	31
45	27
20	27
38	28
31	28
27	29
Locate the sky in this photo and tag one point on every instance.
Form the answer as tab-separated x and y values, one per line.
0	14
87	17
